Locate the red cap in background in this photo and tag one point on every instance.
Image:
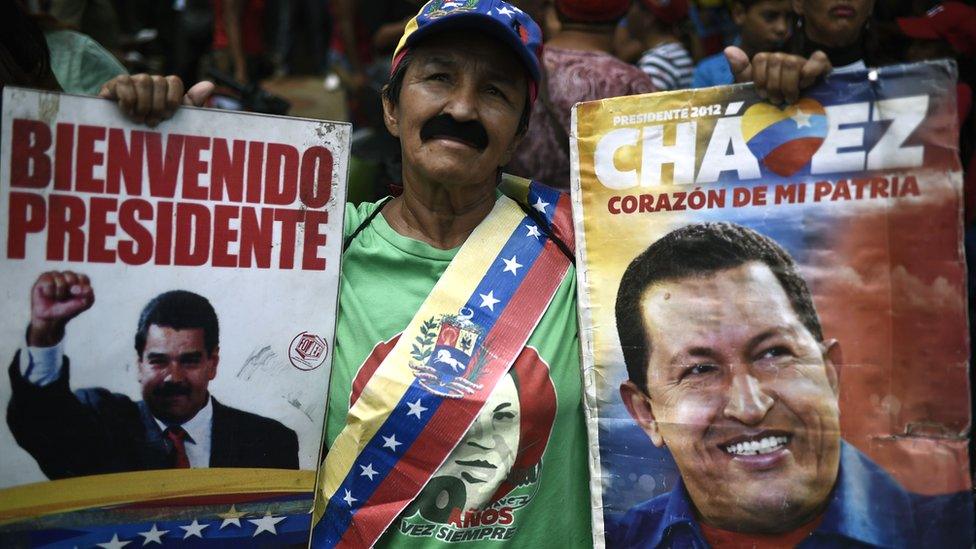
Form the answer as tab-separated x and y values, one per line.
667	11
953	22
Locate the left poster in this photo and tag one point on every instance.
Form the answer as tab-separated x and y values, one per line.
169	302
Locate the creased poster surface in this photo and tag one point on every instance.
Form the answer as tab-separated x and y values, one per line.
773	314
169	300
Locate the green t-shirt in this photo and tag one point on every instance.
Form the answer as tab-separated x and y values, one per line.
493	489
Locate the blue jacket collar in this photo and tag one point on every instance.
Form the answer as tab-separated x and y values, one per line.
855	511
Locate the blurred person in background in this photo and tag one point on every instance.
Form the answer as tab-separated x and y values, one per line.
840	29
657	23
714	26
238	39
365	39
315	17
96	18
578	66
764	25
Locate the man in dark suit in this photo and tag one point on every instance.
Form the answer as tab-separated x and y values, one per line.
177	424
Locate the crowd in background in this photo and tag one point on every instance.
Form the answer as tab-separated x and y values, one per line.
594	49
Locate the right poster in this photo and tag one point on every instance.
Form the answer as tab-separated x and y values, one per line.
773	312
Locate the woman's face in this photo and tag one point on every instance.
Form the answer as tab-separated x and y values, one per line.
834	23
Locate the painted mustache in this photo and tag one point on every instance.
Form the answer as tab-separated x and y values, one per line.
471	133
172	389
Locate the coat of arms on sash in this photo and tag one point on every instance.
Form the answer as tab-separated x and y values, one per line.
448	355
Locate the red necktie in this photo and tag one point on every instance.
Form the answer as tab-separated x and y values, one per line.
177	435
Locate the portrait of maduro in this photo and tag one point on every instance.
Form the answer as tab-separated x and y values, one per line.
178	423
731	372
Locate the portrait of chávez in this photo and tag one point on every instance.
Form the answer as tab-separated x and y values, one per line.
177	424
728	368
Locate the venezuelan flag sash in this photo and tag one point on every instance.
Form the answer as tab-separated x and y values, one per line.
425	395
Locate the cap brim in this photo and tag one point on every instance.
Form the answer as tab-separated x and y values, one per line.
484	23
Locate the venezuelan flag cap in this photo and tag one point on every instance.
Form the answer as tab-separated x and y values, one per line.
495	17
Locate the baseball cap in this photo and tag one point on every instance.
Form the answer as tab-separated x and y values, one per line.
593	11
667	11
498	18
953	22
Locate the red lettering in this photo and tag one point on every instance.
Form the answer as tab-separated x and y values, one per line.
629	204
224	235
255	165
226	172
138	250
66	219
256	237
489	516
281	179
192	234
646	203
124	161
27	215
87	158
821	189
505	516
316	181
613	206
289	220
99	229
314	239
740	196
163	167
164	233
841	191
759	195
64	155
193	167
31	140
910	186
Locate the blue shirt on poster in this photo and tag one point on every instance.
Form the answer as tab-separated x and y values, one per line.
867	507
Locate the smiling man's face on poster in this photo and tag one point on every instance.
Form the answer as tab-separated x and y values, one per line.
743	396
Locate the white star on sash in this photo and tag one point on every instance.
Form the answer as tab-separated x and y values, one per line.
488	300
415	410
512	265
233	516
391	442
153	535
266	524
802	119
505	11
540	205
349	499
114	543
533	231
194	529
368	471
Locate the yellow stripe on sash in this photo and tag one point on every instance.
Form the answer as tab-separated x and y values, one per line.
393	377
